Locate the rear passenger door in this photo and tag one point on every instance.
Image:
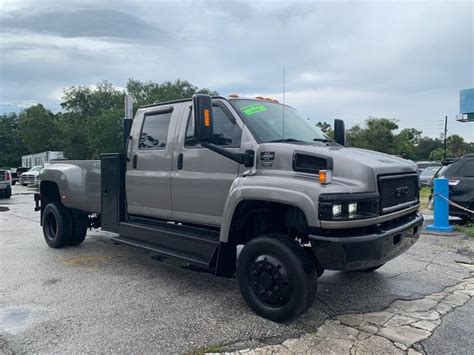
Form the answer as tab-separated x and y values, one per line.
201	178
148	178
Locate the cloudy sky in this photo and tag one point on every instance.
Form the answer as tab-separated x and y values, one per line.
349	60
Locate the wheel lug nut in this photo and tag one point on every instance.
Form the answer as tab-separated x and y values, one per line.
270	294
276	277
276	289
268	267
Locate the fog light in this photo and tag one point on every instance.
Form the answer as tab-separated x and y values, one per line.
353	208
336	210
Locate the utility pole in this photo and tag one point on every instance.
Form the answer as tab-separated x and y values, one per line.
445	134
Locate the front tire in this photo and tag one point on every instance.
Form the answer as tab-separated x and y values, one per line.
277	278
57	225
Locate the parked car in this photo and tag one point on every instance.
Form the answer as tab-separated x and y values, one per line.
422	165
31	176
5	183
460	173
427	175
16	174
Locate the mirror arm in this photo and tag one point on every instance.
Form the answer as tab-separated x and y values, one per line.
246	158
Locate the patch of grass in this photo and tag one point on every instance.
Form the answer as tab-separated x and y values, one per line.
214	348
468	229
425	193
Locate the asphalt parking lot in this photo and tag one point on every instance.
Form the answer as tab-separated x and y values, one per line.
102	297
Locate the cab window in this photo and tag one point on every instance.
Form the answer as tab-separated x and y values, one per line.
226	131
155	130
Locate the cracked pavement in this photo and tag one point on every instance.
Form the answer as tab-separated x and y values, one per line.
102	297
398	329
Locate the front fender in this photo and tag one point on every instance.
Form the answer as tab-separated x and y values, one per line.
301	194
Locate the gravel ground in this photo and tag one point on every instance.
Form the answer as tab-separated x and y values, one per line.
104	297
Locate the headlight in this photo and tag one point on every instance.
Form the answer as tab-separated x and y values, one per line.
336	210
346	207
352	208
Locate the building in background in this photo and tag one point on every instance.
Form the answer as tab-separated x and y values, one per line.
30	160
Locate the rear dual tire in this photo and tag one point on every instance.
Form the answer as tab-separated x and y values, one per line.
277	278
63	226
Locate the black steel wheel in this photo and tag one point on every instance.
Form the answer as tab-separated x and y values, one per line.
57	225
277	278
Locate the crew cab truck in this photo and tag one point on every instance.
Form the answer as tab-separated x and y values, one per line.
202	178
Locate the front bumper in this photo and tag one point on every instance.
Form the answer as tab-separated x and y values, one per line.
367	248
28	181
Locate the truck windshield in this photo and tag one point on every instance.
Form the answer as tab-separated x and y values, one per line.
265	121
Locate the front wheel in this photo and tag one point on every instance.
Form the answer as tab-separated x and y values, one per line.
277	278
8	192
57	225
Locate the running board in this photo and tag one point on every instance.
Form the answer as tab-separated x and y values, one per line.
190	244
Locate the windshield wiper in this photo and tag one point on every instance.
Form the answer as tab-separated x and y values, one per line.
285	140
324	140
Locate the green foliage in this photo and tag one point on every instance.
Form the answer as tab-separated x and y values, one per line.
326	128
377	136
38	129
437	154
11	146
150	92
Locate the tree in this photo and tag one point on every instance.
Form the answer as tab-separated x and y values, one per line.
406	142
38	129
145	93
377	136
437	154
326	128
11	146
91	123
426	146
456	146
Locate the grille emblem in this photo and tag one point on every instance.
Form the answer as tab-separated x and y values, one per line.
401	190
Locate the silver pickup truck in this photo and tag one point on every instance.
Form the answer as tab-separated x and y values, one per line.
200	177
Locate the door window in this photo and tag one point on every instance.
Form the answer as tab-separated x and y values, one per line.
155	130
226	132
467	169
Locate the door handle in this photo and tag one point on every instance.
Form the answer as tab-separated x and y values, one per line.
135	161
180	161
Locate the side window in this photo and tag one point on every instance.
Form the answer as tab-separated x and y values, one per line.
224	129
467	169
155	130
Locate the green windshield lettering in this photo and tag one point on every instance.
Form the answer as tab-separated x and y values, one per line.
253	109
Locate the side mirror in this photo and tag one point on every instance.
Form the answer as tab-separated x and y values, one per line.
203	119
339	132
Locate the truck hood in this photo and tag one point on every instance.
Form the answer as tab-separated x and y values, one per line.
357	168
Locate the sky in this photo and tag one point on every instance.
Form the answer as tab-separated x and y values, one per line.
348	60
